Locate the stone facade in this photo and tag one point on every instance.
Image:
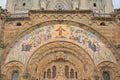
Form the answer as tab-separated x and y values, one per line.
48	44
23	6
3	16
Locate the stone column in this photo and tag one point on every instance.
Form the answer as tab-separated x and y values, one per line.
109	6
83	5
36	5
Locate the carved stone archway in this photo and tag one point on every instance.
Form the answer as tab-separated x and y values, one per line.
57	52
28	30
109	67
60	53
10	67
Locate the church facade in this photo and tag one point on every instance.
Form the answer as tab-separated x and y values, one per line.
59	40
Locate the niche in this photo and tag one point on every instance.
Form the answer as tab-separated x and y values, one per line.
24	4
102	24
94	5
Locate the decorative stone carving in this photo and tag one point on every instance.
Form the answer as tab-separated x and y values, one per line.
43	4
109	67
58	52
8	69
60	55
75	4
3	15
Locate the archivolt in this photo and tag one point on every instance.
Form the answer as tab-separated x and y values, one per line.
71	52
30	29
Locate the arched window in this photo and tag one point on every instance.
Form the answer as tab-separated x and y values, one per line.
15	75
67	71
24	4
71	73
106	75
53	72
48	73
18	24
44	75
76	75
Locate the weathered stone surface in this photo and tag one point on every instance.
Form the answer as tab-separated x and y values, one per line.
52	58
23	6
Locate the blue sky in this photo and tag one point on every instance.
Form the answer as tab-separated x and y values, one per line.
115	2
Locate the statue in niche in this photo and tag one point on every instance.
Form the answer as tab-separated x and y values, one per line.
60	55
75	4
43	4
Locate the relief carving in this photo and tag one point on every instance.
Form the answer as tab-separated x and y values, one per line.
60	55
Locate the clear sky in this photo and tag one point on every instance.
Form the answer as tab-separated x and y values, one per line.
115	2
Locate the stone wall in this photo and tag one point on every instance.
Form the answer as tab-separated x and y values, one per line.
23	6
3	16
104	27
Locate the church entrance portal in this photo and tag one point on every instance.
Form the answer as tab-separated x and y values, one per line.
60	60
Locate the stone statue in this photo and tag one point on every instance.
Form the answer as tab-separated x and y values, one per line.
75	4
43	4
